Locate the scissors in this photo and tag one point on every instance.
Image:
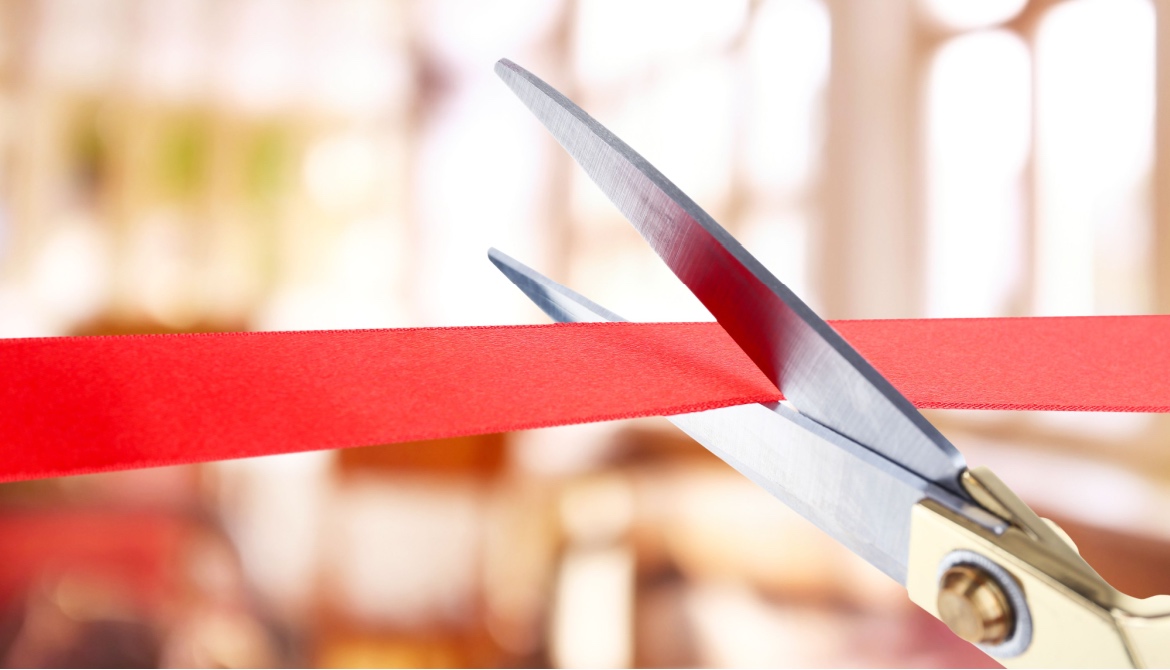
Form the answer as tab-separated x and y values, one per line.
846	450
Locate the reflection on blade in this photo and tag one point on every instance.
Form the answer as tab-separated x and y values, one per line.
812	365
859	498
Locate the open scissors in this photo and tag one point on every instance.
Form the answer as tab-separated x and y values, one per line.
847	451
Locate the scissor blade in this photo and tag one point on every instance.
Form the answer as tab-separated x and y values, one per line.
859	498
812	365
560	303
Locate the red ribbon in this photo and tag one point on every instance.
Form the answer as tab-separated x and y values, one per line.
86	404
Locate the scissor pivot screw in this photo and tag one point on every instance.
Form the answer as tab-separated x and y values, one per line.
974	605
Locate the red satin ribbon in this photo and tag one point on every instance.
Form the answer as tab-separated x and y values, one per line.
77	405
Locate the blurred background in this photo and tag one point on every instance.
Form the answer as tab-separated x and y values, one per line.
201	165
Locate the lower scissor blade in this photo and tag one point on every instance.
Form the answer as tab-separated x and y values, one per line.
560	303
856	496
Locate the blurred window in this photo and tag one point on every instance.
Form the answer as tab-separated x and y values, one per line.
1095	127
1038	151
978	142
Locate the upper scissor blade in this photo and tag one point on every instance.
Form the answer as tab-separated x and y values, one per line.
815	368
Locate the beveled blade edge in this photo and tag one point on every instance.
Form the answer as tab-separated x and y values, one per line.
858	497
811	364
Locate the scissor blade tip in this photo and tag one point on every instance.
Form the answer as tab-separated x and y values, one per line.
496	256
504	65
506	264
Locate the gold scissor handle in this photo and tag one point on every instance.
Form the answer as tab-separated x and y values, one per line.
1026	596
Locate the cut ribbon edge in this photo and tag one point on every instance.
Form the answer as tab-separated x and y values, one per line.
89	404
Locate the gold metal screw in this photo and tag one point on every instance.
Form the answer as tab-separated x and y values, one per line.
974	606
